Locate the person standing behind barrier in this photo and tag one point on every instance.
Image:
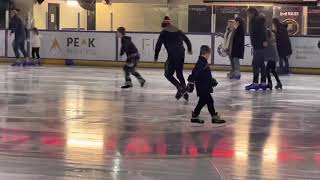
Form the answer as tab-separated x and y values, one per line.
20	34
283	45
258	37
237	52
227	45
173	39
36	44
272	58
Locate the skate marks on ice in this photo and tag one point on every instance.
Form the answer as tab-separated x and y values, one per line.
76	123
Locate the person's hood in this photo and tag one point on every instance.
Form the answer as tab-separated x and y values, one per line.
171	28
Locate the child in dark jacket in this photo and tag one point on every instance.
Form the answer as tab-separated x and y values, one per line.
201	78
133	56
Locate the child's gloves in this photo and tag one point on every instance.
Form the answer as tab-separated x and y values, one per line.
190	87
214	82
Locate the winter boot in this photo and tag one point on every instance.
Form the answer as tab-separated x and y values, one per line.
195	119
217	120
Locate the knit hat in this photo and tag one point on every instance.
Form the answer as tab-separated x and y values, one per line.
166	21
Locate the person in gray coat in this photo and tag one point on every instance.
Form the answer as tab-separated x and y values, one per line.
272	57
228	44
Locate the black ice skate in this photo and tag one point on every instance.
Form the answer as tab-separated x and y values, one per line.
278	86
126	86
195	119
186	97
15	64
254	86
142	83
217	120
180	93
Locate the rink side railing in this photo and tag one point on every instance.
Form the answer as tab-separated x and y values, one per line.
104	46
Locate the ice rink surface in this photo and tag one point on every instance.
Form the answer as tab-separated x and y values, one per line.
77	124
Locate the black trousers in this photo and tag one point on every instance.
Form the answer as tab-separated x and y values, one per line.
271	68
35	52
259	66
130	68
175	64
285	61
205	99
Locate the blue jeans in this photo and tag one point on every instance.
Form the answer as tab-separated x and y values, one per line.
19	45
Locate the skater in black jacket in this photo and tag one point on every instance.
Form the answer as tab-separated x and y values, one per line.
258	37
20	35
173	39
133	56
201	78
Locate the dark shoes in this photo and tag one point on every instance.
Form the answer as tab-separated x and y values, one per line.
278	86
196	119
180	93
129	84
215	119
142	83
126	87
186	97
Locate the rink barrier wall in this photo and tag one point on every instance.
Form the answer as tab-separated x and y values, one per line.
111	64
73	45
91	47
3	45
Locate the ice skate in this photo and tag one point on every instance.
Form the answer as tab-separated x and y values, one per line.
253	86
237	77
127	85
186	97
24	63
142	83
278	86
196	119
217	120
15	64
30	63
230	75
264	86
269	86
180	93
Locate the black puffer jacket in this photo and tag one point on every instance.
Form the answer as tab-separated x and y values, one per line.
201	76
258	32
173	39
127	46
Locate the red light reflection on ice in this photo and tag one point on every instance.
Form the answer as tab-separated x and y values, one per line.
289	156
